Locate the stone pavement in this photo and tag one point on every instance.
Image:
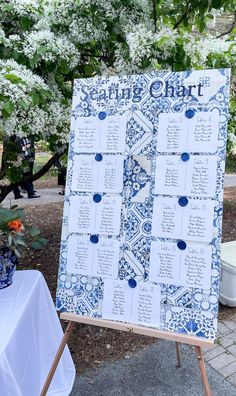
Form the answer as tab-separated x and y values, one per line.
222	357
46	196
151	372
230	180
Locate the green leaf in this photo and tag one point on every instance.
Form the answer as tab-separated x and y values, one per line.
43	241
145	62
88	69
35	98
34	231
42	50
23	104
13	78
25	23
7	108
19	241
35	60
36	245
9	239
17	253
39	244
162	41
63	65
201	25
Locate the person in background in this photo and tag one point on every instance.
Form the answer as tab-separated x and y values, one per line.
27	149
61	180
22	146
9	143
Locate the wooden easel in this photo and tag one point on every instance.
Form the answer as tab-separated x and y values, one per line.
72	319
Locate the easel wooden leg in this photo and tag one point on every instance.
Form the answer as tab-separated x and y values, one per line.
178	354
56	360
202	366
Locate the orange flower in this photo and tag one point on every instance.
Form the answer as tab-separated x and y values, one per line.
16	225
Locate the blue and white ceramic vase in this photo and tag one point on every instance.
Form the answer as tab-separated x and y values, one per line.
8	262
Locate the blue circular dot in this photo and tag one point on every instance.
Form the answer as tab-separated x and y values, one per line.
94	238
189	113
97	198
183	201
132	283
181	245
185	156
98	157
102	115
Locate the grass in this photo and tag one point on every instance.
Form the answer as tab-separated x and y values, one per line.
230	165
40	160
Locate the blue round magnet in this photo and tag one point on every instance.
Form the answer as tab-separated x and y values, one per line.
94	239
185	156
132	283
183	201
98	157
181	245
102	115
189	113
97	198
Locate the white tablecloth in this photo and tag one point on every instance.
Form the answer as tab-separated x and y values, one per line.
30	333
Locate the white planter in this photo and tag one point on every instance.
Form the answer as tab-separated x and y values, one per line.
228	274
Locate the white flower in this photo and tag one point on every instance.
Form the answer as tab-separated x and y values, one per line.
17	84
50	47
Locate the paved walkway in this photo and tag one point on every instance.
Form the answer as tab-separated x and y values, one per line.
230	180
46	196
51	195
152	371
222	357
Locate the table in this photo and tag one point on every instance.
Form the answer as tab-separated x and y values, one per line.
30	333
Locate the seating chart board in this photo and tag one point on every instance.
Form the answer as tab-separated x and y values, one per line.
143	205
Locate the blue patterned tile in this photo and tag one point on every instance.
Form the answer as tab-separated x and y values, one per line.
188	311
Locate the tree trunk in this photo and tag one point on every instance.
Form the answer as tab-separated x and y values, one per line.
6	189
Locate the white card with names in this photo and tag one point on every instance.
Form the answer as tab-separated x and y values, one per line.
106	135
190	267
105	175
199	134
93	259
89	217
139	305
194	177
191	222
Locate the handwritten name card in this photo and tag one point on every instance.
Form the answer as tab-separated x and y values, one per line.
139	305
190	267
194	177
93	259
106	135
89	217
191	222
105	175
177	133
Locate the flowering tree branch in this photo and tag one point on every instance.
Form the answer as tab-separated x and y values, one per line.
44	46
154	15
185	15
228	31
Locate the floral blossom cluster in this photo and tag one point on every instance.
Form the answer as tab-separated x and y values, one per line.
44	45
28	105
50	47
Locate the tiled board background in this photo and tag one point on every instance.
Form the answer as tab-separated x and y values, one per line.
190	311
